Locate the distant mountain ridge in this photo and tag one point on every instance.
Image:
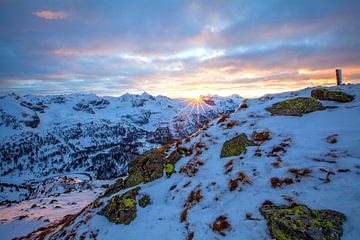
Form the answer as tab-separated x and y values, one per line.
44	135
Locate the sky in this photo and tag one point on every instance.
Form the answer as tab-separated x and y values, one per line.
176	48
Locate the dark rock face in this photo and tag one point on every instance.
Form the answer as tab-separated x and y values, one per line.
114	188
34	122
37	107
299	222
83	107
296	107
144	201
161	135
325	94
235	146
121	209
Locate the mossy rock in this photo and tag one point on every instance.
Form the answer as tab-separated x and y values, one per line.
121	209
298	222
325	94
144	201
145	168
296	107
235	146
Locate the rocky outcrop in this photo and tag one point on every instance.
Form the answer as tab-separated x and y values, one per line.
325	94
296	107
121	209
150	166
298	222
235	146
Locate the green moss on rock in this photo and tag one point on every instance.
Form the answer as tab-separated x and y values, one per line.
121	209
299	222
296	107
325	94
235	146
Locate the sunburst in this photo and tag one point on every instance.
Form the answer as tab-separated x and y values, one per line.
196	106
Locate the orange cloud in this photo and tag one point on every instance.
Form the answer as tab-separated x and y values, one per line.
51	15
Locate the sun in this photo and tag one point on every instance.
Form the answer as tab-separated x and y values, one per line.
197	98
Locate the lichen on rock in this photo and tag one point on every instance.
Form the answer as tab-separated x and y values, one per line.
235	146
298	222
145	168
296	107
325	94
121	209
169	169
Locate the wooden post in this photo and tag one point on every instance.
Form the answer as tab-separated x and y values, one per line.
338	77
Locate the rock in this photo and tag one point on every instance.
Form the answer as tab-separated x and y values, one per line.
114	188
325	94
146	168
298	222
121	209
235	146
144	201
332	139
150	165
296	107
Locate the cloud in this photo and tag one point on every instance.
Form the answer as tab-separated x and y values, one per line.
51	15
179	47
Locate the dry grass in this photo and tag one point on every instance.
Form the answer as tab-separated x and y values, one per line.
183	215
229	170
187	184
261	136
279	182
242	177
194	197
231	124
276	164
233	184
300	172
220	225
229	163
223	118
191	167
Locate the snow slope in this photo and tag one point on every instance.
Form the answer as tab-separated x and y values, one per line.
332	184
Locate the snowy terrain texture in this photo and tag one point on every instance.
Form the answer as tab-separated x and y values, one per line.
295	142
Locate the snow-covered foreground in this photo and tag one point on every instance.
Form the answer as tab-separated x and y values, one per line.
296	143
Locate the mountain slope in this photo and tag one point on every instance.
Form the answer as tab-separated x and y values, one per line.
46	135
310	159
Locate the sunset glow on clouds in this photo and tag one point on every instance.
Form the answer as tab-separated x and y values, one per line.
177	48
50	15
